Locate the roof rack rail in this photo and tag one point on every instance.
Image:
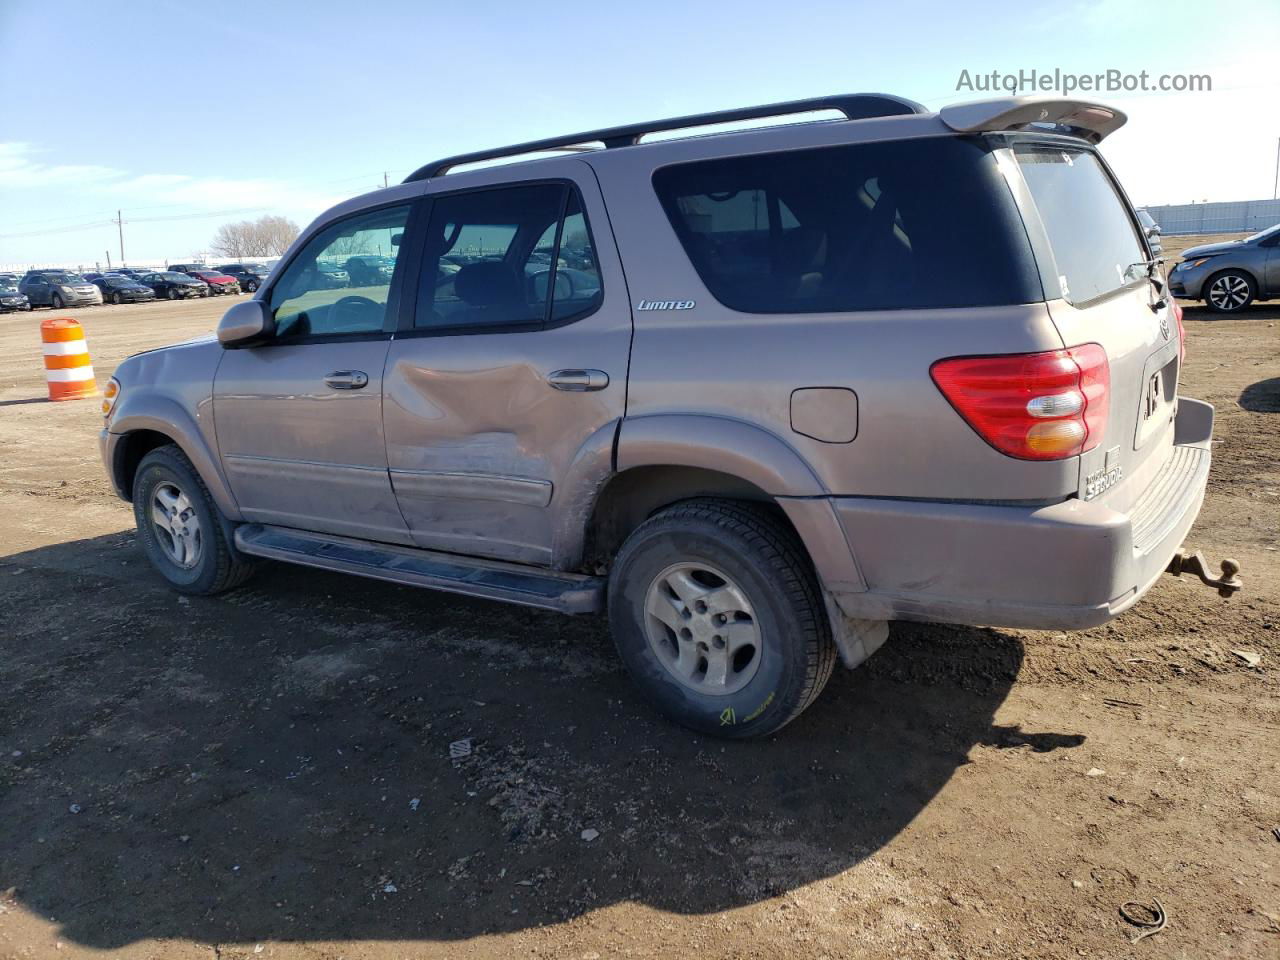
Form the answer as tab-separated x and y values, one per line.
854	106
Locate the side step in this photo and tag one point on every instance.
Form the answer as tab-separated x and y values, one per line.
528	586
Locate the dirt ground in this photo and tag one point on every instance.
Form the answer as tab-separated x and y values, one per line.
268	773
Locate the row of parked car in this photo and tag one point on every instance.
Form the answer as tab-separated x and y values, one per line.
64	288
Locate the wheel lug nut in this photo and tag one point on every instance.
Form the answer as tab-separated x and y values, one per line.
700	606
718	641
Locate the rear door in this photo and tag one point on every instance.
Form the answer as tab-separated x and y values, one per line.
299	419
1085	229
515	357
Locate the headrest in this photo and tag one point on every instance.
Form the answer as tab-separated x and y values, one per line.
487	284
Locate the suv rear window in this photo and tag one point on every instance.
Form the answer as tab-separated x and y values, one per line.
1095	245
908	224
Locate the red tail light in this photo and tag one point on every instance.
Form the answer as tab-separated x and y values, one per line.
1033	406
1182	332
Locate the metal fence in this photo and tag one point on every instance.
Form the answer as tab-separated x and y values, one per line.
1237	216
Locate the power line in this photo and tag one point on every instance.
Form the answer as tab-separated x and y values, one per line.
115	221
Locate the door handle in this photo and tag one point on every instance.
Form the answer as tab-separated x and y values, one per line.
347	379
578	381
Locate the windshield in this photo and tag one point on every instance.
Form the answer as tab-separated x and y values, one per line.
64	278
8	286
169	275
1264	234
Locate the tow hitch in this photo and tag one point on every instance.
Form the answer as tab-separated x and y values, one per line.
1195	563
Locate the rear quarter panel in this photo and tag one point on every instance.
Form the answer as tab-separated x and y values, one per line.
714	360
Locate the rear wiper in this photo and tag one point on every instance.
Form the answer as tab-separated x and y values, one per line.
1152	273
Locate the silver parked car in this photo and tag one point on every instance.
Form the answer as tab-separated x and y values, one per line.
1229	276
754	395
58	289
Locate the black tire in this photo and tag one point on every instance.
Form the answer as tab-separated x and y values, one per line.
251	286
55	302
1232	278
117	299
219	566
765	560
173	293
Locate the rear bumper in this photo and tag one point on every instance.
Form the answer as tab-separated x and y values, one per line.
1070	565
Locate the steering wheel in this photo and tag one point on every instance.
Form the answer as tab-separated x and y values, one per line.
352	303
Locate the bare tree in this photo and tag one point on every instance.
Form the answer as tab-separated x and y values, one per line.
265	237
277	234
232	240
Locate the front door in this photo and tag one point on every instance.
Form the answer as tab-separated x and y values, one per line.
1271	281
517	355
299	418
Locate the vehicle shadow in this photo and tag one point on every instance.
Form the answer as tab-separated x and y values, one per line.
1262	397
276	763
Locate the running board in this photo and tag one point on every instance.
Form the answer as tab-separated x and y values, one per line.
492	579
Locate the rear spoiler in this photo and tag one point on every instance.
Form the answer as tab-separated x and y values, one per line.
1074	118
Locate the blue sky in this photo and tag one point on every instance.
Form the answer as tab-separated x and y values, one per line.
292	106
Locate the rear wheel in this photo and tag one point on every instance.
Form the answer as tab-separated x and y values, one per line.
1229	291
179	526
717	616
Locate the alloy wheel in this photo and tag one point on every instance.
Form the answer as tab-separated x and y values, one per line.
176	525
701	627
1229	292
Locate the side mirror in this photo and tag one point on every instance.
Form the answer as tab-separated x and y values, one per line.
245	324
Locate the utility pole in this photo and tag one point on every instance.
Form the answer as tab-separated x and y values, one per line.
1275	187
119	222
385	184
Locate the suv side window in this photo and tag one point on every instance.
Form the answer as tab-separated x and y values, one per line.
907	224
492	256
315	297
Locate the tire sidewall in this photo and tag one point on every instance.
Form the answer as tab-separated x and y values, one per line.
1253	292
772	693
157	468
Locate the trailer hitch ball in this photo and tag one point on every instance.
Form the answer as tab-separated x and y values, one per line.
1195	564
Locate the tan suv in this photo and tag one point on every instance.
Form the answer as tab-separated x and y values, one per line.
755	394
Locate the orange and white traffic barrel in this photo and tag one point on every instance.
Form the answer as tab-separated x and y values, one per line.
67	367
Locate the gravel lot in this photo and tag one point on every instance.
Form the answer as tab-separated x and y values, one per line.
268	773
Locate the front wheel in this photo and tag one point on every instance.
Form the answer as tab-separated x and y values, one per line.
117	299
717	616
179	526
251	286
1229	291
173	293
55	302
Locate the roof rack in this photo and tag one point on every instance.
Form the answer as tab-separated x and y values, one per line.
854	106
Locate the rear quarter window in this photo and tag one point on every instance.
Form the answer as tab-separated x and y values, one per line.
907	224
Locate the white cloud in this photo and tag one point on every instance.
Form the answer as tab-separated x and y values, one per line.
83	185
18	169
